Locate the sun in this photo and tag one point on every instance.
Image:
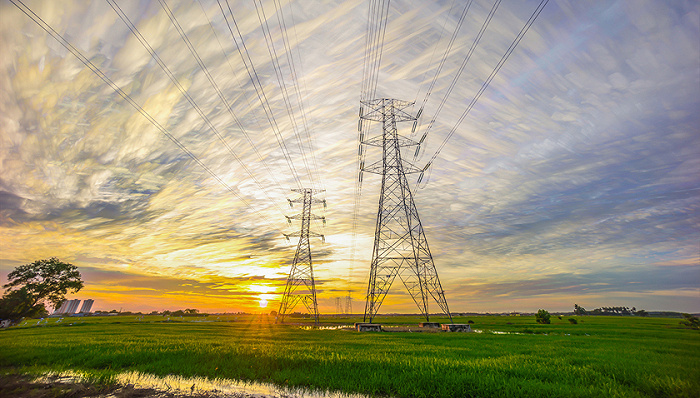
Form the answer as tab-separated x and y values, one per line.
263	299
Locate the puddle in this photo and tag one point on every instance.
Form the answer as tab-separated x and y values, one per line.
214	388
334	327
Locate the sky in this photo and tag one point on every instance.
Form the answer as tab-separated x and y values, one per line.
574	178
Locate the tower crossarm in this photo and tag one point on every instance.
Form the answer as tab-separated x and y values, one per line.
375	110
299	234
378	141
301	217
301	200
378	168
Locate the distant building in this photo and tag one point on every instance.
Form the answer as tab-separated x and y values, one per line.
61	309
72	306
87	306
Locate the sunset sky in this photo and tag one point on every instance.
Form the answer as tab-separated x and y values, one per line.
575	178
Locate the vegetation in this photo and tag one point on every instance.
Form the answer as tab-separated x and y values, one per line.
31	287
542	317
578	310
508	356
691	321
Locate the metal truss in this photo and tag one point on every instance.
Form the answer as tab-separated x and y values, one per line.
301	286
400	246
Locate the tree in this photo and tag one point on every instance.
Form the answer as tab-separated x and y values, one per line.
16	304
578	310
542	316
32	286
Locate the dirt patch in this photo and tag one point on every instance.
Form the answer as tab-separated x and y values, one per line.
16	385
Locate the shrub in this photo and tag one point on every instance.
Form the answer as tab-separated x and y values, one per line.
573	321
542	317
691	321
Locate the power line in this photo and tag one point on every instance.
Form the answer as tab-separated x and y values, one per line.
233	70
290	61
309	130
462	66
430	61
488	80
58	37
374	44
444	58
221	95
377	58
267	34
255	80
185	94
377	15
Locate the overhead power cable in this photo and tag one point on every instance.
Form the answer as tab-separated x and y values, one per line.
435	47
377	18
58	37
309	128
462	66
255	80
187	96
295	77
488	80
267	34
462	17
212	81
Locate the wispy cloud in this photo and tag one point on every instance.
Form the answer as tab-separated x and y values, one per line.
576	170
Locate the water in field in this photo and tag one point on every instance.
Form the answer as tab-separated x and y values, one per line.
186	386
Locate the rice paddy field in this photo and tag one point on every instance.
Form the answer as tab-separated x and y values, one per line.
507	356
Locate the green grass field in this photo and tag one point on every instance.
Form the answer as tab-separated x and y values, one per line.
511	356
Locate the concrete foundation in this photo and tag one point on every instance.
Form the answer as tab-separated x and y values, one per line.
456	327
429	324
368	327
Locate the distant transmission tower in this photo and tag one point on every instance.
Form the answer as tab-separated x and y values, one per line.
348	304
300	283
339	306
400	246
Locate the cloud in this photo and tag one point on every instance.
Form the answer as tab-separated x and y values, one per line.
581	155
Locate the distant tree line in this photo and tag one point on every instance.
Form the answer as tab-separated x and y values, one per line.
185	312
578	310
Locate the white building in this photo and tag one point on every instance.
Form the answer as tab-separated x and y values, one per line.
69	307
62	308
87	306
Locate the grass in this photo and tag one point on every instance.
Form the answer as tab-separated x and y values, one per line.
599	356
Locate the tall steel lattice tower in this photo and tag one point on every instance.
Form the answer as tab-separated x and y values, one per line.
300	282
400	246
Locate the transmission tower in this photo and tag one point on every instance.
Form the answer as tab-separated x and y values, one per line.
300	283
339	310
400	246
348	304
